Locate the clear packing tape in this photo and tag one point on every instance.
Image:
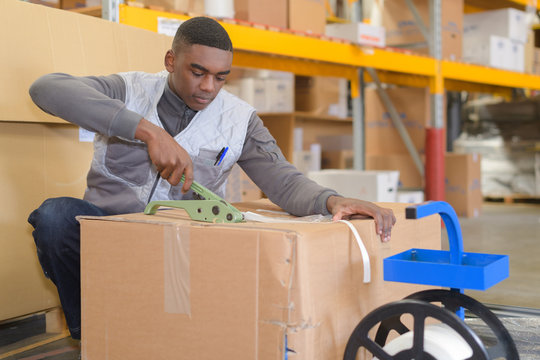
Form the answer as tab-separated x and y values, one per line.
250	216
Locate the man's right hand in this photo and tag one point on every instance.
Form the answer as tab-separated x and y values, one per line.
171	160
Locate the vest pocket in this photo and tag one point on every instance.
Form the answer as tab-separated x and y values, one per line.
128	160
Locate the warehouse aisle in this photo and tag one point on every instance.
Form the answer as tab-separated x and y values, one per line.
514	230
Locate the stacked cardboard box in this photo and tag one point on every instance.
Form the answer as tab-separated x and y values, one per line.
496	38
154	287
43	156
463	183
385	150
267	91
402	29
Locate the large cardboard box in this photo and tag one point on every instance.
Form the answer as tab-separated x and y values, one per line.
366	185
402	29
41	155
268	12
307	16
38	161
166	287
463	183
413	107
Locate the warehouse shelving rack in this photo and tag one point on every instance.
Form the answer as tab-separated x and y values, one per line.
264	47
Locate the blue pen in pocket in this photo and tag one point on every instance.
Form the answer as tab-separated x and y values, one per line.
221	155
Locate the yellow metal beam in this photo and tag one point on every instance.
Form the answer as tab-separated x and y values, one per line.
455	85
489	76
265	41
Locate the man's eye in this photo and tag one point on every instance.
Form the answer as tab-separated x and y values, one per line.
197	74
221	78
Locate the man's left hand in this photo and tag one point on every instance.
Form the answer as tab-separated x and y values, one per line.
347	208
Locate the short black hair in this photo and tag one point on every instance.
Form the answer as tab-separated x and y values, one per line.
202	30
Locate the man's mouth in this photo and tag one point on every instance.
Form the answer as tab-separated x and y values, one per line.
202	100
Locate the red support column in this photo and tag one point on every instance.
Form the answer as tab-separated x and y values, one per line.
434	174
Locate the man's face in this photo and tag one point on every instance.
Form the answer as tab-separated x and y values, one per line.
197	73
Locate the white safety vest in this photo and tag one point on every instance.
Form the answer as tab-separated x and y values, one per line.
122	177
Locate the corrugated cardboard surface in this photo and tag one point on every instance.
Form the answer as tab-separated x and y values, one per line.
37	161
463	183
44	40
47	160
251	284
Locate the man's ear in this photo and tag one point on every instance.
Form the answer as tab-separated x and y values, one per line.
169	61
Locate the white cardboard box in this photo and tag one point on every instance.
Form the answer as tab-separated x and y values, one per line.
266	92
370	185
360	33
494	51
510	23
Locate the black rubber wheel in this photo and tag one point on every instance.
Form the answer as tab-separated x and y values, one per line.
453	300
419	310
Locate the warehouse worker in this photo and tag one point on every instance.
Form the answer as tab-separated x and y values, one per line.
153	128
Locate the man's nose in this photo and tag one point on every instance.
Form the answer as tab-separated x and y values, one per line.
207	83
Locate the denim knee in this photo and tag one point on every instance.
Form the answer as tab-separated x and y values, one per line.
52	221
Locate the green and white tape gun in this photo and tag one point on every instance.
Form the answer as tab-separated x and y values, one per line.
212	209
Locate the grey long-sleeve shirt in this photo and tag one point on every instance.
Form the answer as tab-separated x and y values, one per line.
97	104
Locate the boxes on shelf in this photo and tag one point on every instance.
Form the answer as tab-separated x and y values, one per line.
380	186
307	16
359	33
413	107
267	12
409	176
266	91
285	128
256	289
463	183
495	51
321	95
509	23
402	29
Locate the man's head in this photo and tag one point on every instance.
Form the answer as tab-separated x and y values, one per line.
199	61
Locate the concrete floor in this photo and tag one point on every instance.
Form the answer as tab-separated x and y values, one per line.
514	230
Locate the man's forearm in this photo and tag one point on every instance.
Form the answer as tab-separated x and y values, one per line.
284	185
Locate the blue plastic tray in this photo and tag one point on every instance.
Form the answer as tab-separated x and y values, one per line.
455	269
433	267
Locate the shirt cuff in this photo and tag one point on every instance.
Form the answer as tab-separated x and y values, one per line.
322	199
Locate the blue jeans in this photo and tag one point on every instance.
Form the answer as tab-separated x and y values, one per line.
57	237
